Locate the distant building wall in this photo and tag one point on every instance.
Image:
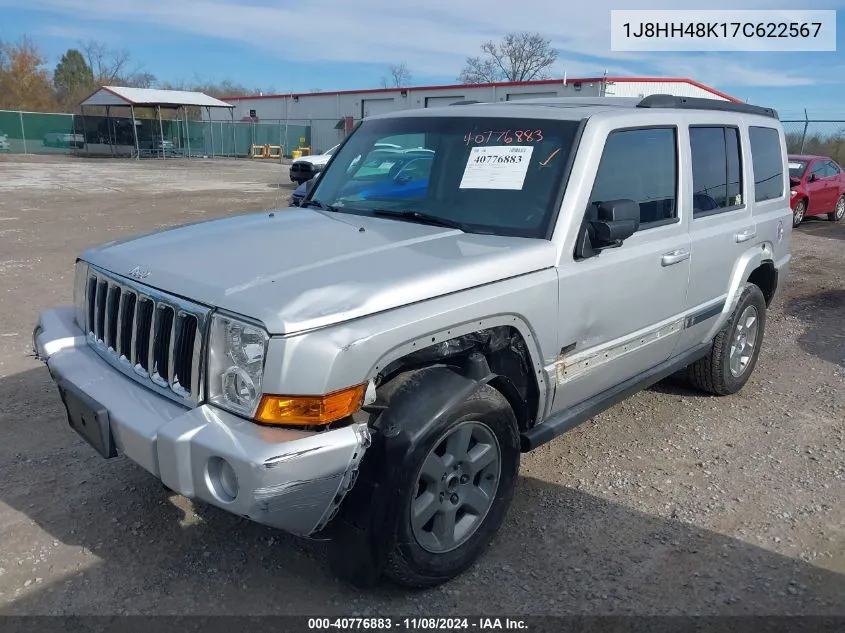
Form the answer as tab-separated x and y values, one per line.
325	113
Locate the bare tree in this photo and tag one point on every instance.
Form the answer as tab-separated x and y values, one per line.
106	64
521	56
399	76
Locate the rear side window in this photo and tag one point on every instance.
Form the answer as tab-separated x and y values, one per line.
640	165
716	169
766	162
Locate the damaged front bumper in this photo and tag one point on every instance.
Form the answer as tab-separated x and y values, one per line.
288	479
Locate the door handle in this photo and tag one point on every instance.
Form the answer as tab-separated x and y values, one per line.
744	236
675	257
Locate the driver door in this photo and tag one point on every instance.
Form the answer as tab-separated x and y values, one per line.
618	310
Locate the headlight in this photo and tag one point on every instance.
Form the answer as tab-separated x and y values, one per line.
236	354
80	282
793	192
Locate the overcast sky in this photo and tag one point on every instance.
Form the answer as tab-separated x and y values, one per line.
348	44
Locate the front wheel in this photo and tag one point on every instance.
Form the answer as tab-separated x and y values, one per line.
798	212
838	211
459	487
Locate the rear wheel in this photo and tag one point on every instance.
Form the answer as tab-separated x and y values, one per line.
838	211
733	355
798	212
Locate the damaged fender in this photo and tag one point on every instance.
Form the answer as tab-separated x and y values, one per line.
365	528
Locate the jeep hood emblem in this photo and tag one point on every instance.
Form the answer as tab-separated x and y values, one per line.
139	273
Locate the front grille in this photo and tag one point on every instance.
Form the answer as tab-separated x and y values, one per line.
152	337
302	170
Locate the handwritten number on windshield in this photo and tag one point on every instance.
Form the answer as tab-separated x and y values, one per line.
505	136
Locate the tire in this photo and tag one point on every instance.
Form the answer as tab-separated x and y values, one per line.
716	373
419	559
838	211
798	212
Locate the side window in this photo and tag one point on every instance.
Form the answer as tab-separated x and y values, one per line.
766	162
640	165
716	169
819	170
832	168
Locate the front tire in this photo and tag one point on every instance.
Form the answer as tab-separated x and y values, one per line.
735	349
838	211
459	485
798	212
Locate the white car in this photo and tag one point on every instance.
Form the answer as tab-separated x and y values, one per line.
5	146
63	139
307	167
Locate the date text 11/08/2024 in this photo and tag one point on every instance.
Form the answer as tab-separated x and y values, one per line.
418	624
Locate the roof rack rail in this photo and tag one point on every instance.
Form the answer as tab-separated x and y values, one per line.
464	102
697	103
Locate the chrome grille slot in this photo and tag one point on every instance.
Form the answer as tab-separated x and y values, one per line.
153	338
127	324
162	342
100	307
112	305
91	298
143	327
183	357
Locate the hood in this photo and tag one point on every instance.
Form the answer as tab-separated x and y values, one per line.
319	159
298	269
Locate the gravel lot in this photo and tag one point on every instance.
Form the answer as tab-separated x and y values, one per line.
669	503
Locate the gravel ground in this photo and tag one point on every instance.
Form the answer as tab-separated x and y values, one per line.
669	503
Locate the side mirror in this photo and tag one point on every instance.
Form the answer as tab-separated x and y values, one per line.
616	220
606	225
812	178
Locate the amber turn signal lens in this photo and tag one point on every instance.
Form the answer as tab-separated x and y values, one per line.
310	410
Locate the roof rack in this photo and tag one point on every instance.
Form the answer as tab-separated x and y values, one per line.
697	103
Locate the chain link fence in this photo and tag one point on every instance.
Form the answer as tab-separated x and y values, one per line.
824	138
54	133
48	133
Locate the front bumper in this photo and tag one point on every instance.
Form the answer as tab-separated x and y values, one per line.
288	479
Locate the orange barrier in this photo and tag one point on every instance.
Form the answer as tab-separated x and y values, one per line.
265	151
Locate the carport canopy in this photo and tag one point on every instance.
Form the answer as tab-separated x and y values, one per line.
121	96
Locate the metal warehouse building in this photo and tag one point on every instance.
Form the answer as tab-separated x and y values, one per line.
328	116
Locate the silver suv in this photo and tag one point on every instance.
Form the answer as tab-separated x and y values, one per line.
369	367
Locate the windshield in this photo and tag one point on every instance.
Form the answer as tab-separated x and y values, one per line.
488	175
797	168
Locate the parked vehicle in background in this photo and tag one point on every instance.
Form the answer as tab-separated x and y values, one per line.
394	173
307	167
298	194
817	187
369	367
5	146
64	139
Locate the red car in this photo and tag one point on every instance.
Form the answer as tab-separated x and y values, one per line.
818	187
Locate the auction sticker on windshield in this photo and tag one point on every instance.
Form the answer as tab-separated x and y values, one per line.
496	167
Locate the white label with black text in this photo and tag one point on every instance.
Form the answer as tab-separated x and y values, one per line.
497	167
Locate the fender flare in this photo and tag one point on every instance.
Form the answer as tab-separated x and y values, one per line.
364	530
746	264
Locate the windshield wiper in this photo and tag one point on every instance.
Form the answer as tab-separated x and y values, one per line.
319	205
420	218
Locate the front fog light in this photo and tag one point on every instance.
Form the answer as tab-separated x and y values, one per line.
236	364
222	479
